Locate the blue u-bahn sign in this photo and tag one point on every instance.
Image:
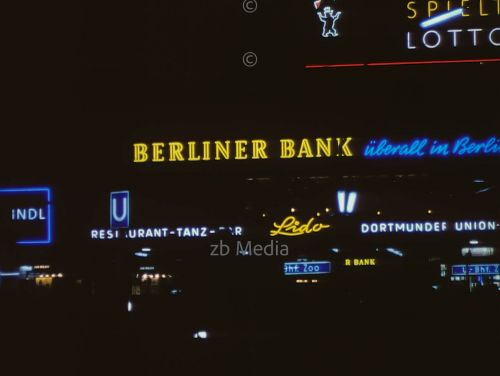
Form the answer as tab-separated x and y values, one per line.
307	268
477	269
119	209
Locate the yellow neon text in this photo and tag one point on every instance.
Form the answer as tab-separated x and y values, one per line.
175	151
158	151
429	8
291	226
360	262
222	149
194	151
140	153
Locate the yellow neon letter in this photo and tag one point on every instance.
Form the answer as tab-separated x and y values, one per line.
140	153
305	149
482	13
287	150
344	147
206	150
158	152
464	7
176	151
415	13
281	228
324	147
259	149
432	6
222	149
241	149
192	152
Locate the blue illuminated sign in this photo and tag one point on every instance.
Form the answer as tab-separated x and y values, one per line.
442	18
352	197
44	214
120	209
307	268
478	269
425	147
429	227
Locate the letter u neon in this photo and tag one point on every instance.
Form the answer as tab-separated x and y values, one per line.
116	217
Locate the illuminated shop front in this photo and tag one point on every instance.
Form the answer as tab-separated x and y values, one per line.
472	275
364	225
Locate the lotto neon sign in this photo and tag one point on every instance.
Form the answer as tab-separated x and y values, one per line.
452	13
467	31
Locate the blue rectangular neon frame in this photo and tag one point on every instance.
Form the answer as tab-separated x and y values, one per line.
124	223
48	239
475	269
308	268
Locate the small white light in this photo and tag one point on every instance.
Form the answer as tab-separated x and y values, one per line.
129	306
202	334
474	242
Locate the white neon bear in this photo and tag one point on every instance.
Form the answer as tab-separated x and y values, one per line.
329	17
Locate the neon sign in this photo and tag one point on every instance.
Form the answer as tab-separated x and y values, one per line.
42	214
257	149
120	209
417	32
329	18
307	268
477	269
163	232
439	12
360	262
120	219
352	197
291	226
425	147
429	227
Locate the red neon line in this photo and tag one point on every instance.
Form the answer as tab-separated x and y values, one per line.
334	66
432	62
392	63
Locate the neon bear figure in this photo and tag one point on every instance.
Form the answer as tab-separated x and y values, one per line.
329	18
